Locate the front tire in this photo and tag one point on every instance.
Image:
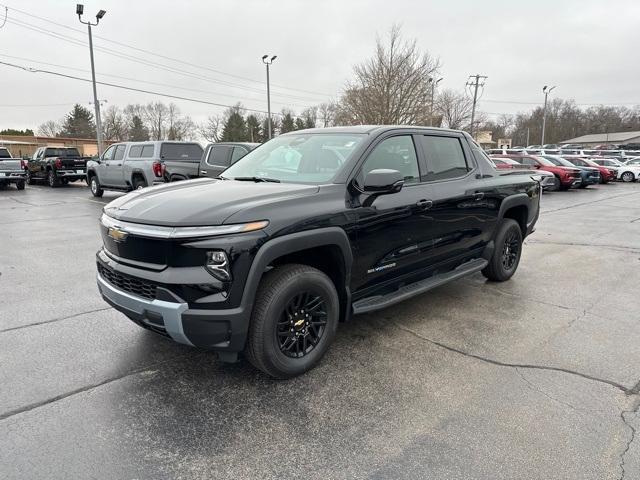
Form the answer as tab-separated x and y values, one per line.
627	177
293	322
29	178
506	256
94	186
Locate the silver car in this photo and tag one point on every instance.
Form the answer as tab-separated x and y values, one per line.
132	165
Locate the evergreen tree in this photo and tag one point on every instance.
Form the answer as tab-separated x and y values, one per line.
137	131
254	129
300	124
78	123
27	132
234	128
288	124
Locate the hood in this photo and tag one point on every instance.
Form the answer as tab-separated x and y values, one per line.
200	202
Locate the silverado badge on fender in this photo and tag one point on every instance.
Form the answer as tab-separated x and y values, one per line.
117	234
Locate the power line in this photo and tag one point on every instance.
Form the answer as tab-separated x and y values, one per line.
146	81
133	89
202	67
150	63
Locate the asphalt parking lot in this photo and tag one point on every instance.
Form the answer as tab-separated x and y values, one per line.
537	377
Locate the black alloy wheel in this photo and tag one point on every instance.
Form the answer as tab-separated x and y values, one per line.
302	324
510	249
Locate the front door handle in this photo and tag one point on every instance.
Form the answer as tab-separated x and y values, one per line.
424	204
478	196
203	172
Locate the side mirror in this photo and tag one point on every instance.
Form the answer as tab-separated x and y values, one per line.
383	181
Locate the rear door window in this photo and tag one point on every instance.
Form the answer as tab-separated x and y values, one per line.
147	151
445	157
119	155
219	155
238	153
135	151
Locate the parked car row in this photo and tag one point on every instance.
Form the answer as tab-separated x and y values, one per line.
123	166
570	171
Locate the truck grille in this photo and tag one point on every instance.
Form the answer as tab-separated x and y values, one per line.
136	286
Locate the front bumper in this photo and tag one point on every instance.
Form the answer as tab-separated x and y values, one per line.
156	314
166	313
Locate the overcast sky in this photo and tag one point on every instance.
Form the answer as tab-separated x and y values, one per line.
589	49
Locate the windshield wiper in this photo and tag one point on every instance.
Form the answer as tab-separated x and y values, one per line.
256	179
220	177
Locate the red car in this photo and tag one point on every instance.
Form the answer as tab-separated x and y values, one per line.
566	177
506	163
606	174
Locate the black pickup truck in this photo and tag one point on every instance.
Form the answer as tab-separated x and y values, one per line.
57	165
306	231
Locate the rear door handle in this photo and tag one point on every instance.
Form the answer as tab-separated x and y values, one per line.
203	172
424	204
478	196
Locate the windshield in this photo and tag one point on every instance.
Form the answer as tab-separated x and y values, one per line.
4	153
311	158
560	162
544	161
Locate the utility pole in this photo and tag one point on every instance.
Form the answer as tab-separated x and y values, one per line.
433	83
478	82
527	138
268	61
546	90
96	103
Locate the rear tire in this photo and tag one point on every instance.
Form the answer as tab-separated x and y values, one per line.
52	179
506	256
139	183
20	185
285	340
94	186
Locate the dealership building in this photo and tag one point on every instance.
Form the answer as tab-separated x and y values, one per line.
617	138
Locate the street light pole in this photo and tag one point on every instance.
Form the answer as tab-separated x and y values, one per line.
96	103
546	92
268	61
433	83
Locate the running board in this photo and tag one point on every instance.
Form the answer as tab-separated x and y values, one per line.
378	302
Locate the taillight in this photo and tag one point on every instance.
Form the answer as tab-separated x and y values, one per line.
58	163
158	169
23	164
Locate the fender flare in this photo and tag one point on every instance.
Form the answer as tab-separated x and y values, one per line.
292	243
517	200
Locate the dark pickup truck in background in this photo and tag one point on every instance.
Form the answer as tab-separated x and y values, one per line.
57	165
12	170
307	230
216	158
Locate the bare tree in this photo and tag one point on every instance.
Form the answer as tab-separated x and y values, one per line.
114	124
156	116
327	114
211	129
455	109
392	87
50	128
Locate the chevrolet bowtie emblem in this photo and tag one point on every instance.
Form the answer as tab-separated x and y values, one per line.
117	234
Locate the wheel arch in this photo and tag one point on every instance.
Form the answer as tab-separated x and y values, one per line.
516	207
327	249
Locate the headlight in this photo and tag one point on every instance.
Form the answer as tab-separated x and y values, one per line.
218	265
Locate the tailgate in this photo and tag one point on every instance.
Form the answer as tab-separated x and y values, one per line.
10	165
73	163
